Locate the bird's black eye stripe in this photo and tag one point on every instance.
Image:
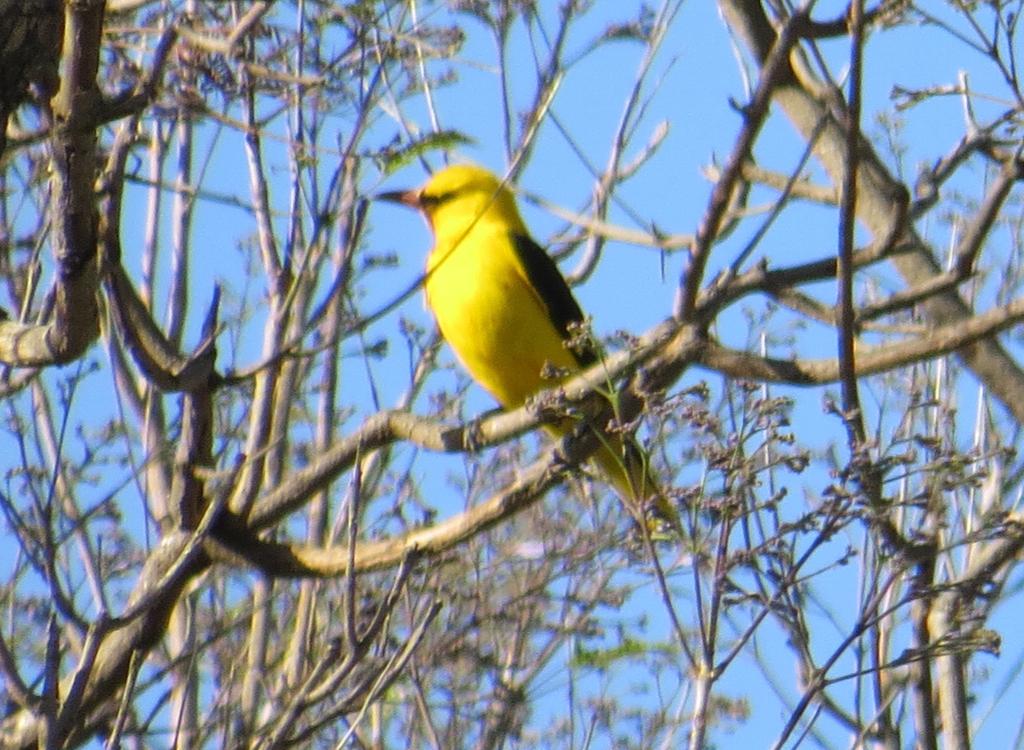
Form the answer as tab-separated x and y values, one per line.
431	201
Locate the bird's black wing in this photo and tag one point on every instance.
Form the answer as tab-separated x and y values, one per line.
544	276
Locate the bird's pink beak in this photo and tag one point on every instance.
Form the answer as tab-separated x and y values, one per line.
410	198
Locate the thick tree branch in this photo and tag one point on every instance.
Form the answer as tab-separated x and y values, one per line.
75	322
870	359
20	731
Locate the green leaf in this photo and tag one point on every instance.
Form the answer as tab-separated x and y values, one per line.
445	140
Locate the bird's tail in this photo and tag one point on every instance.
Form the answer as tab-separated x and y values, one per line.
627	467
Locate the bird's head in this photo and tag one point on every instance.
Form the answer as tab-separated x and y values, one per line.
459	197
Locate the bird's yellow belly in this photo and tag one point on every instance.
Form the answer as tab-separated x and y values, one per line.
496	325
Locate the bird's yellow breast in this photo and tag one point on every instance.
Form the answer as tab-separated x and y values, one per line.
490	315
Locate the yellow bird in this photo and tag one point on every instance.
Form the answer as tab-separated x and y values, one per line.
507	312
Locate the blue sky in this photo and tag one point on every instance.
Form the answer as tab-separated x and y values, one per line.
633	289
695	75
